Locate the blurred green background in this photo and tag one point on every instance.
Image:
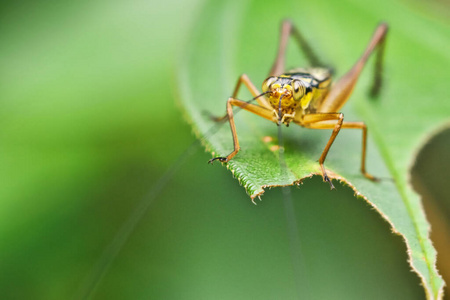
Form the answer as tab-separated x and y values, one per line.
89	123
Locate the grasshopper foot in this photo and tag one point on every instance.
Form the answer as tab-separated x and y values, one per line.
371	177
327	179
221	159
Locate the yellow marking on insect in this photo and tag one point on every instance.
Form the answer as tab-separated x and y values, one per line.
306	100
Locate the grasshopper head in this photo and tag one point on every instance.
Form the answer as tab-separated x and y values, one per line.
285	94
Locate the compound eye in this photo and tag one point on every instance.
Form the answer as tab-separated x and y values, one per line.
298	89
267	83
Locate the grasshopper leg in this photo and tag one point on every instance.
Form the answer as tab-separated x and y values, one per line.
343	88
363	127
336	122
264	110
288	29
256	109
378	72
324	121
243	79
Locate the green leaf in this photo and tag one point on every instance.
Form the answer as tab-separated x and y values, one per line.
234	38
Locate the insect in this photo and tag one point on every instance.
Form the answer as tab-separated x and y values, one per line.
306	96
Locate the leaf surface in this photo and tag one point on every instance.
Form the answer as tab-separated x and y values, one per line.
234	38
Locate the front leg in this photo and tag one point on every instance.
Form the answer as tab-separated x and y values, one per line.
243	79
324	121
336	122
230	118
256	109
